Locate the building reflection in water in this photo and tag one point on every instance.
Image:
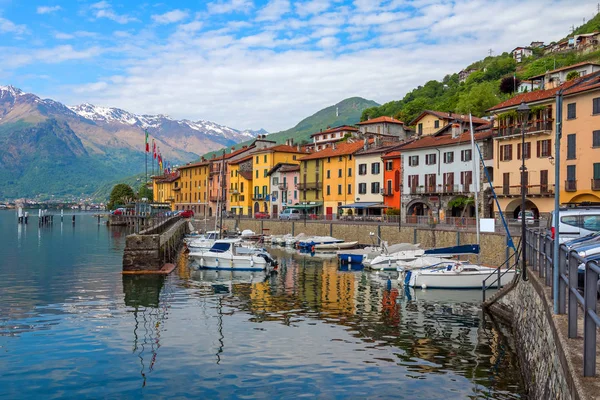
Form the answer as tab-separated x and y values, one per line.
150	309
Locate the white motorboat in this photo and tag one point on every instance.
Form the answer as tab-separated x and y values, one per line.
368	254
335	246
231	254
421	262
452	275
311	241
387	262
202	242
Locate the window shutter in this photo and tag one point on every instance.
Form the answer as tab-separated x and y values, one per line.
596	170
518	151
539	145
501	153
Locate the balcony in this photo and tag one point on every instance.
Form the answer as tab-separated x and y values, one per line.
309	186
213	198
282	186
387	193
234	191
258	196
441	189
571	186
534	128
595	184
530	190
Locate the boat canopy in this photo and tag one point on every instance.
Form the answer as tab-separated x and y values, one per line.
454	250
364	205
220	247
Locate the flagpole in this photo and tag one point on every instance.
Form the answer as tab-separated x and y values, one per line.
152	156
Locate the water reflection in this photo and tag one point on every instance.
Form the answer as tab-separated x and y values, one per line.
143	294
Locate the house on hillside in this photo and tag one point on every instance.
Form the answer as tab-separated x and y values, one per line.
527	86
519	53
464	74
557	77
536	45
429	122
325	138
583	41
384	128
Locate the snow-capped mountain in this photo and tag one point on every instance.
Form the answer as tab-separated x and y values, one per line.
157	122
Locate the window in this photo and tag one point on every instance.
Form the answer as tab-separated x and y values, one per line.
349	171
339	173
389	165
328	159
543	148
340	158
420	129
526	153
328	174
506	152
571	110
375	168
448	182
413	161
374	187
257	160
362	188
256	173
596	171
349	188
295	194
430	159
596	139
596	106
242	187
413	182
328	190
571	147
430	182
466	178
449	157
339	189
264	191
436	124
294	157
362	169
265	158
466	155
571	173
266	171
350	157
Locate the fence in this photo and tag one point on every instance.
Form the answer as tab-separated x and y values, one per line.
540	254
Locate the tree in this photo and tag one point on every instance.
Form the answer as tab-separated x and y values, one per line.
478	99
119	194
572	75
144	192
509	84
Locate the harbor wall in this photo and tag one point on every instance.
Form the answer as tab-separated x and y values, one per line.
151	249
494	250
547	373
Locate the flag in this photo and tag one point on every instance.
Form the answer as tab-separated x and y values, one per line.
154	147
147	144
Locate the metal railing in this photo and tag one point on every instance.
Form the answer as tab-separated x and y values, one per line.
570	186
511	263
535	127
309	185
540	258
515	190
595	184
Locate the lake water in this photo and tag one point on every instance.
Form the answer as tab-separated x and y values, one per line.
71	326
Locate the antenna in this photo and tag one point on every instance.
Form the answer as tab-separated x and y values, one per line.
337	111
490	52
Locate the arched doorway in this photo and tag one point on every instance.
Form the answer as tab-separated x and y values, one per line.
265	207
415	210
514	207
256	207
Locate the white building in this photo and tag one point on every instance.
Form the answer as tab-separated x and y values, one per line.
557	77
437	169
383	127
329	136
520	53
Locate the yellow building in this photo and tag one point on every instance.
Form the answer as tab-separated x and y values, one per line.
263	161
310	184
191	193
429	122
163	188
240	189
580	146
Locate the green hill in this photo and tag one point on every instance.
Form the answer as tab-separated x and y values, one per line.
346	112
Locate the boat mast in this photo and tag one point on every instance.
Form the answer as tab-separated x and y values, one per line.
222	196
476	180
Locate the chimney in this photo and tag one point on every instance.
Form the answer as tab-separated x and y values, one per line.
450	113
455	130
366	144
298	146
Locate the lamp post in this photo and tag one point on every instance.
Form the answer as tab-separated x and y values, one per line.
523	112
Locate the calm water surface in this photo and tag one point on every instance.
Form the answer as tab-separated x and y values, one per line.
71	326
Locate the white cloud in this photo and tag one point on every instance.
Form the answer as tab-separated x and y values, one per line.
48	9
76	34
328	42
53	55
7	26
103	9
63	36
274	10
311	7
170	17
230	6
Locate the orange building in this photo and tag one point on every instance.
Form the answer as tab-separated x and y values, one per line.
392	178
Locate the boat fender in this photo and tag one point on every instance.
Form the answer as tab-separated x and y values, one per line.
202	261
312	249
252	261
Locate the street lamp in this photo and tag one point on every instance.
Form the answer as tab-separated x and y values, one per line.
523	112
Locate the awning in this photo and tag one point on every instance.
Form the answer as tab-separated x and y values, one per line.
307	206
363	205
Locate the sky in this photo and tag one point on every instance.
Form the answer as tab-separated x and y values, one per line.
258	64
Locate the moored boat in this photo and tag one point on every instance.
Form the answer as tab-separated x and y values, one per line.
335	246
231	254
452	275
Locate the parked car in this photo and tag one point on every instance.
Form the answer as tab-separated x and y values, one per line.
186	213
291	213
261	215
529	217
575	222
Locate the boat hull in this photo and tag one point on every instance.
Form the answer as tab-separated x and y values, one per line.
209	260
336	246
444	279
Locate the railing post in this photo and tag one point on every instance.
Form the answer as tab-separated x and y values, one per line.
562	269
589	325
543	256
550	263
540	254
572	315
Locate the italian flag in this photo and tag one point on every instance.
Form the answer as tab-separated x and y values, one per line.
147	144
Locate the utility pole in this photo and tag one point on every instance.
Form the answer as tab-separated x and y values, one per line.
490	52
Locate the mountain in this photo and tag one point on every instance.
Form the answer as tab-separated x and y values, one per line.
52	149
346	112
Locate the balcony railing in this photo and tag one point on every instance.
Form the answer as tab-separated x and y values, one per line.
234	191
282	186
258	196
571	186
388	193
538	127
531	190
441	189
309	186
595	184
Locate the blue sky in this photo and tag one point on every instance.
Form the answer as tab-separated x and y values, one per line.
253	64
